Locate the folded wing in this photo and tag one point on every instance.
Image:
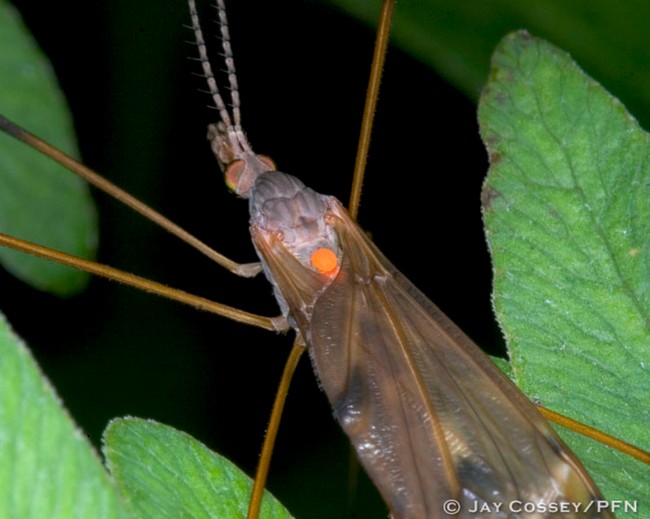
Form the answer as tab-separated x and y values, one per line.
430	415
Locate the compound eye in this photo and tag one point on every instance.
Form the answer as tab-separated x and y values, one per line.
233	173
268	161
240	174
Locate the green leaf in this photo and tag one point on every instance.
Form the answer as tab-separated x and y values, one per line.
166	473
39	200
47	468
567	211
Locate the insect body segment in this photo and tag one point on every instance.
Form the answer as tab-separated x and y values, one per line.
292	222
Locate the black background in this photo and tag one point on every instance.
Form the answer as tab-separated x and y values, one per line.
141	117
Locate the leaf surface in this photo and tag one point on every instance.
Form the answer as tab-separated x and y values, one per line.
163	472
48	470
39	200
567	216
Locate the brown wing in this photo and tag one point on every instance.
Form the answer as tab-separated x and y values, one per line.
429	414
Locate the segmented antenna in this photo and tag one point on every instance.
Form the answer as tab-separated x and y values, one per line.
232	124
205	62
230	63
240	165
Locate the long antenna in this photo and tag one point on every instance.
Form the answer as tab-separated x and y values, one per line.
240	165
224	114
230	64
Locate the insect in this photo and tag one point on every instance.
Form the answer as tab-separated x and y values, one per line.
176	381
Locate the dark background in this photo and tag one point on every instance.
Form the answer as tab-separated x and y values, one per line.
141	117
